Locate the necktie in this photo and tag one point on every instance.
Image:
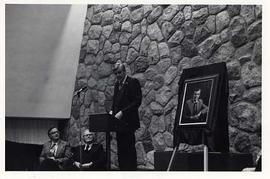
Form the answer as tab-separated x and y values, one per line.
195	108
53	149
120	86
86	147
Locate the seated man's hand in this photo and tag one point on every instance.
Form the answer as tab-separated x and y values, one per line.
87	165
251	169
194	117
77	164
119	115
111	112
51	158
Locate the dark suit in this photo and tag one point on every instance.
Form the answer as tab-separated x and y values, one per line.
96	155
62	156
127	99
191	109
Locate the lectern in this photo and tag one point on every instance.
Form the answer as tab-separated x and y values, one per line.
106	123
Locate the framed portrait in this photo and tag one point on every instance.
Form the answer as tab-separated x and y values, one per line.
203	107
198	98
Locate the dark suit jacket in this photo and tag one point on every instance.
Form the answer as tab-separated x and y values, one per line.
96	155
200	106
63	153
128	99
189	111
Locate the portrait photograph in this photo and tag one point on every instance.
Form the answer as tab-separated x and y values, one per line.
197	97
120	86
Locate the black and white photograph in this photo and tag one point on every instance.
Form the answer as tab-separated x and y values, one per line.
196	101
97	88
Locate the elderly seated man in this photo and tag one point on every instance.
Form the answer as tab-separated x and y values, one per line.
89	156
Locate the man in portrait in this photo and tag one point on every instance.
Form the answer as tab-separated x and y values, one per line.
194	109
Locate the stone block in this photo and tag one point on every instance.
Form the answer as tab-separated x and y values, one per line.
178	19
247	115
200	15
104	70
170	74
131	55
255	30
248	12
145	45
214	9
137	15
222	20
154	32
238	31
251	75
107	17
176	38
156	108
155	14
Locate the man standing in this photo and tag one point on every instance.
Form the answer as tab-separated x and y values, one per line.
55	153
195	110
89	156
126	101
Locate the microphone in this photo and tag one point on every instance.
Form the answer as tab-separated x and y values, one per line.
80	90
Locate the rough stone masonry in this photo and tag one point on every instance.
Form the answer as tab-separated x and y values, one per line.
156	42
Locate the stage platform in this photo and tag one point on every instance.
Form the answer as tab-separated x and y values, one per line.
194	161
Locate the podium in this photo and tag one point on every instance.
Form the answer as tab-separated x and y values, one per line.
106	123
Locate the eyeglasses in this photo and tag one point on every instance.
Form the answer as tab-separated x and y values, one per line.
54	132
118	72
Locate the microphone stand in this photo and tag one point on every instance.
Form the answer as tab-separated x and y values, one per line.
80	130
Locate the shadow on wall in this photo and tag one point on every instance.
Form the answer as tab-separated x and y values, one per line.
33	36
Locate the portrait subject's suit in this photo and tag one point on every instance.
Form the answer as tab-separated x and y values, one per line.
127	98
95	154
192	108
62	155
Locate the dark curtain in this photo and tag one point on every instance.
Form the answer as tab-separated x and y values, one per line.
216	131
22	157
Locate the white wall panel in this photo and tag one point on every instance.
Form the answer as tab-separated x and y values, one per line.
42	54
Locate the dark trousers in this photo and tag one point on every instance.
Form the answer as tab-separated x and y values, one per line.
127	156
49	165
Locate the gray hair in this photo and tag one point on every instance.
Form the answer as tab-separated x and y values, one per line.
119	66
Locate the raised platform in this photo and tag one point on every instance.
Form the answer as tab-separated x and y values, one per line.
194	161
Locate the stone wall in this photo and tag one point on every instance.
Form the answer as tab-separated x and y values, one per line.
156	42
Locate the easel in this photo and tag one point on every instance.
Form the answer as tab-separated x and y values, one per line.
205	154
217	122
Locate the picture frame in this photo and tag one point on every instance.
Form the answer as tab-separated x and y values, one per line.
212	80
198	101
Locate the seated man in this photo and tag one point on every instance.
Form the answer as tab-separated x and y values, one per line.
89	156
55	153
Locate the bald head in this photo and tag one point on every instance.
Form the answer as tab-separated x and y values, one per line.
119	70
119	66
88	136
